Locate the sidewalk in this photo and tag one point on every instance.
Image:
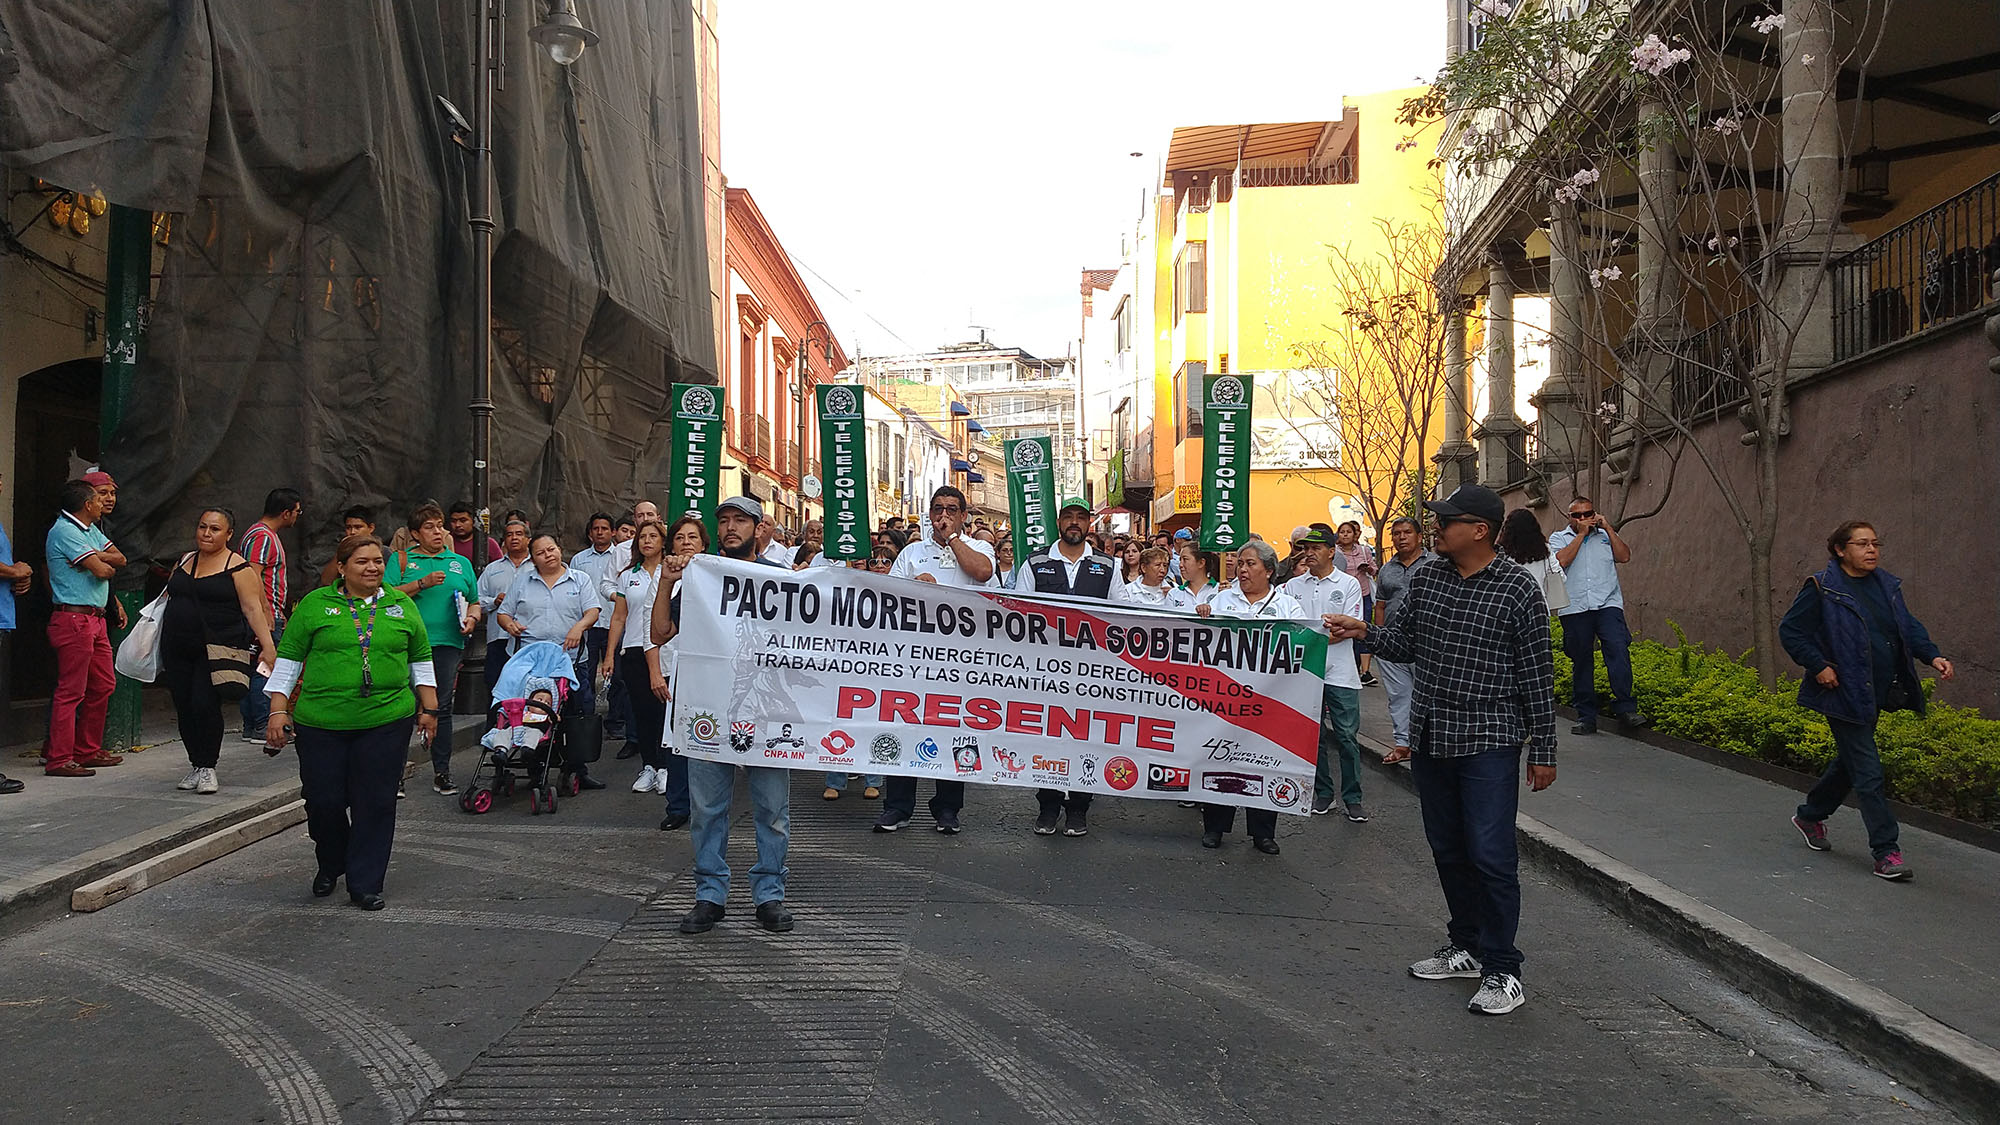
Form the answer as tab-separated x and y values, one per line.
1725	839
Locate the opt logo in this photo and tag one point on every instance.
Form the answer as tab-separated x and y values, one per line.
1121	773
1166	779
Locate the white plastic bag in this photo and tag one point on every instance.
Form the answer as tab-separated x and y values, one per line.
139	653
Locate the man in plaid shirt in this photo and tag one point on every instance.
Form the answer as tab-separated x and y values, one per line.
1477	630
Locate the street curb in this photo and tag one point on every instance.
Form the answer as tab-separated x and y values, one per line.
121	885
45	893
1943	1064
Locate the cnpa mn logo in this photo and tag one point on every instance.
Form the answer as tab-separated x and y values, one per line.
698	402
840	402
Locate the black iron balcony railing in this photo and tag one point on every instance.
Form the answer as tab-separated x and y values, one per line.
1925	272
1712	368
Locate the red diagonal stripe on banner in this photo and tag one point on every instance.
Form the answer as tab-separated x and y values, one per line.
1280	723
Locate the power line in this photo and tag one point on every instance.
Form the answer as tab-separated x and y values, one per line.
801	263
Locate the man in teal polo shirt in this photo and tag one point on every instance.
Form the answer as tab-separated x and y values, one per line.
81	563
440	581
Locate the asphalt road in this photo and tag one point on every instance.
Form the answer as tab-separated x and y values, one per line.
528	970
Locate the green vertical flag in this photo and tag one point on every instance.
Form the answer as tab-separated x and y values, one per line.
1114	480
843	444
696	453
1031	495
1225	462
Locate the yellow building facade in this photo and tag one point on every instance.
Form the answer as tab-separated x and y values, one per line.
1240	250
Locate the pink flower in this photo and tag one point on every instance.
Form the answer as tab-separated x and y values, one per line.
1656	58
1765	25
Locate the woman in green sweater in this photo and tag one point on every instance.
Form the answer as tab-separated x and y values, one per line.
354	669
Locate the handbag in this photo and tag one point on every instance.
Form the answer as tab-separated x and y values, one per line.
229	670
139	653
1555	589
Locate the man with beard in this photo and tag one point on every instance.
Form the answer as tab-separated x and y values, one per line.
1070	567
711	784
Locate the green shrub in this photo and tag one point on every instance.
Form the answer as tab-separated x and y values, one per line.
1947	760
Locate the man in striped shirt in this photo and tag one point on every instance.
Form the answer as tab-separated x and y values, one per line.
1476	628
266	552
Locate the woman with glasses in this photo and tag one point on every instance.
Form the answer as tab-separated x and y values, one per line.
354	669
1254	596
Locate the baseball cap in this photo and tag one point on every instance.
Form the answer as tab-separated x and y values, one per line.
1317	533
1073	502
1470	500
1184	533
97	478
742	504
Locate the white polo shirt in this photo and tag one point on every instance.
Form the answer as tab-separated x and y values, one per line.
1338	593
928	556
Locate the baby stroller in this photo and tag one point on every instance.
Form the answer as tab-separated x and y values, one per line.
543	719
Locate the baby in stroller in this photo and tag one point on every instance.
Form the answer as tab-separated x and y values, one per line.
533	696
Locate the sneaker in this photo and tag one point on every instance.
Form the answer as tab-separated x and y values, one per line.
1368	679
1499	993
1448	962
1584	728
1815	833
1075	825
660	782
947	821
1891	866
648	777
257	738
1356	813
191	780
890	821
441	783
206	783
402	793
1322	805
1045	821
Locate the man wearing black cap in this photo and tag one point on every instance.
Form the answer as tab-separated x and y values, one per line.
710	785
1477	630
1070	567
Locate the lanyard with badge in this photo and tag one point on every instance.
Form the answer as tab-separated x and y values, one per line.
364	636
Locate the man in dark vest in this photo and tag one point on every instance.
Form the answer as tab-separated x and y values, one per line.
1069	566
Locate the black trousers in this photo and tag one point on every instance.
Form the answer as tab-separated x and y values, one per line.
900	795
197	708
1262	824
1075	800
649	713
349	779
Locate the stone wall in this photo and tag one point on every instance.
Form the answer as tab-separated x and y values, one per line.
1909	440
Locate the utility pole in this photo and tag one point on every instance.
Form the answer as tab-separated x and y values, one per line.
128	276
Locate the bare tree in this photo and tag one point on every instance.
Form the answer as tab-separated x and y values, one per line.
1378	376
1689	141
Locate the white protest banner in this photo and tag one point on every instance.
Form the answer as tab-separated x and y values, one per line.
837	669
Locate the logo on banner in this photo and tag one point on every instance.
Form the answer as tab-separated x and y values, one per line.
1285	792
1166	779
1226	392
698	402
784	737
1089	769
741	735
1121	773
1241	784
884	751
840	402
702	730
927	751
1057	766
965	754
1007	760
1229	750
1028	455
837	743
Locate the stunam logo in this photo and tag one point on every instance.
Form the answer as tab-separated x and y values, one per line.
741	736
837	743
1166	779
1121	773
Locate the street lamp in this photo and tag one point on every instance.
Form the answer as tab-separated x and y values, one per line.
562	35
565	38
824	333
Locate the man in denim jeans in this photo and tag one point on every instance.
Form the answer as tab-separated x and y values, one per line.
710	785
1590	552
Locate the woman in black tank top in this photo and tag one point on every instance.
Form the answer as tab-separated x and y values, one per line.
212	598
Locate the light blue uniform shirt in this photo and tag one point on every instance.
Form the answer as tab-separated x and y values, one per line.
1592	580
70	543
548	612
494	582
596	565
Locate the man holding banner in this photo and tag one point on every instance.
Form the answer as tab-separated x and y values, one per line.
1068	567
949	558
711	785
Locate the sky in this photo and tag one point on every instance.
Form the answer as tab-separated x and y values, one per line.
933	166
